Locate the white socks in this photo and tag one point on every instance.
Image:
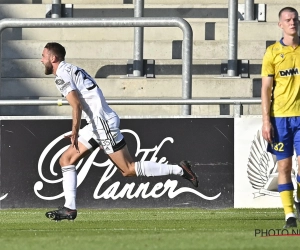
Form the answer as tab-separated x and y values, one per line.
149	168
69	185
290	215
144	168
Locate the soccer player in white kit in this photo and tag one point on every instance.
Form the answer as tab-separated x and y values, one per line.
85	97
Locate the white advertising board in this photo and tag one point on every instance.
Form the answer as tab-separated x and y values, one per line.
255	170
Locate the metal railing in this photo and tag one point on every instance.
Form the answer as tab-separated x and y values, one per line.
138	49
232	38
249	10
56	9
232	70
233	33
237	103
187	43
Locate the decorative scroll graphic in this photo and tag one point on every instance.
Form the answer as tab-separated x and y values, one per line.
114	191
3	197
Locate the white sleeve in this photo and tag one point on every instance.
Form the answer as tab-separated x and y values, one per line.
64	84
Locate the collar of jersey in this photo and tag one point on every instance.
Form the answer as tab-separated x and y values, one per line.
62	63
281	42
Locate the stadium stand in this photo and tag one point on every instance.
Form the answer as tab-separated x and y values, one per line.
104	53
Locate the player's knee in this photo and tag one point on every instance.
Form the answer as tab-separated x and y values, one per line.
285	171
65	161
62	162
129	172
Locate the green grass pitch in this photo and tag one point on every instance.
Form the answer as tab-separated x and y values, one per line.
167	228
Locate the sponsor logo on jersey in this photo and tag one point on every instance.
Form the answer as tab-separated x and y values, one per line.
289	72
65	86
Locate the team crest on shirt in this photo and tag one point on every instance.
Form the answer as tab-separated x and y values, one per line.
59	81
282	55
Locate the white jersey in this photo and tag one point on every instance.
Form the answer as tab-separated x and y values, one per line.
70	77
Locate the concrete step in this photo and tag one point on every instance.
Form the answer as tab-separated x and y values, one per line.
273	10
29	88
32	68
119	10
169	87
289	2
202	30
27	49
207	11
22	11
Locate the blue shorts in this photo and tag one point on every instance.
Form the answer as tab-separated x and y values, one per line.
286	137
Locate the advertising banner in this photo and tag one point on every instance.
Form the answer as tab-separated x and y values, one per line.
255	170
30	175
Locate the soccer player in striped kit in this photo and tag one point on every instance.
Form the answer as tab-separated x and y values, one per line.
102	130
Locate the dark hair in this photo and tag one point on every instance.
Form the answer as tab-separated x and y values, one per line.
56	49
289	9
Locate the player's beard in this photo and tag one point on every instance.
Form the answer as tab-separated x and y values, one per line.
48	68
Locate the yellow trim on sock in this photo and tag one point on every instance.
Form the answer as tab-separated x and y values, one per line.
287	201
298	191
